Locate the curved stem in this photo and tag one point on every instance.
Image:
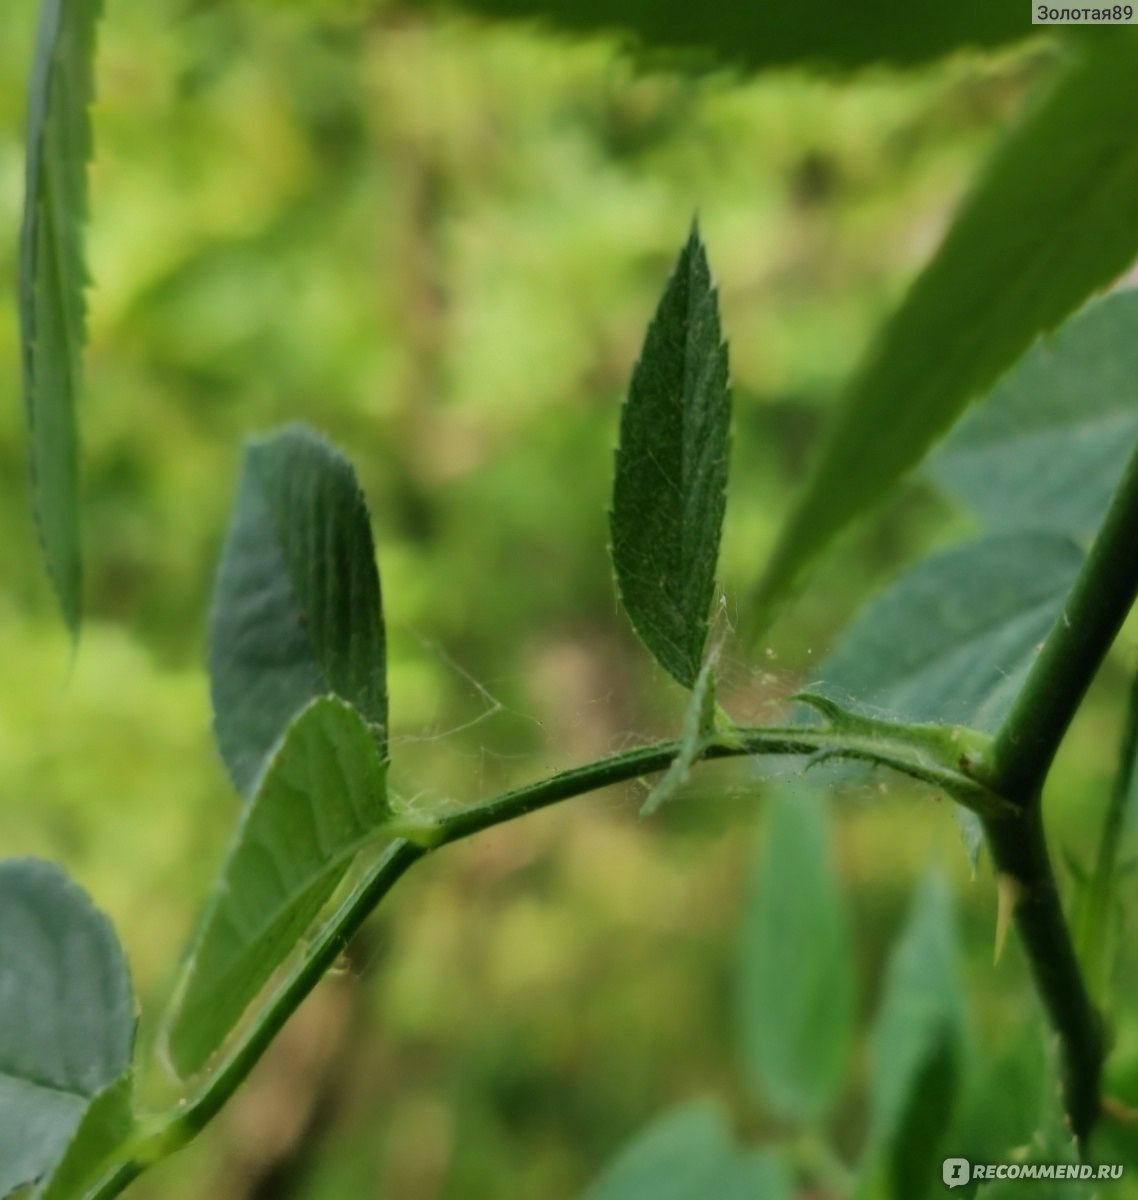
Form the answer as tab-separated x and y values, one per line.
1092	615
1021	756
169	1133
1003	786
904	748
1019	849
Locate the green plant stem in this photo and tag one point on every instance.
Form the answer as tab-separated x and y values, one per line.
1019	848
911	759
1093	613
161	1136
1021	756
1004	786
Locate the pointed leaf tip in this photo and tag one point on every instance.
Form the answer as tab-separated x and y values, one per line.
1039	234
670	485
53	278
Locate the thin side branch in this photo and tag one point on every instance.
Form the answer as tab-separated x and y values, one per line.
903	748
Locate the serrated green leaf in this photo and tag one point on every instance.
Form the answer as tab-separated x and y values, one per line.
669	491
1049	222
66	1015
322	799
690	1154
954	637
297	611
780	32
106	1126
796	972
917	1049
1047	447
53	277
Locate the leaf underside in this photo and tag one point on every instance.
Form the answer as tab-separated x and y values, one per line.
53	277
297	609
917	1046
669	489
1046	449
322	800
796	981
1049	222
952	639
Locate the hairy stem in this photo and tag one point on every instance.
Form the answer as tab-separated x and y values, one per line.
900	747
905	749
1021	756
1098	603
1019	849
1003	786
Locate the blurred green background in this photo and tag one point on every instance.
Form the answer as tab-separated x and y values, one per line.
441	242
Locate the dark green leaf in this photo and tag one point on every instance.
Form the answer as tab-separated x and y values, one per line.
53	276
782	32
917	1049
66	1015
953	638
690	1154
297	610
1046	449
669	491
322	799
796	966
1050	221
106	1125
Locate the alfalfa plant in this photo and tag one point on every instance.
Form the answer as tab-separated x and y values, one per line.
942	679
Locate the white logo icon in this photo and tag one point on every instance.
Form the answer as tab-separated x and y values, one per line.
955	1172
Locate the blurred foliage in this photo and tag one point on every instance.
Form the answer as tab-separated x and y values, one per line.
441	242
